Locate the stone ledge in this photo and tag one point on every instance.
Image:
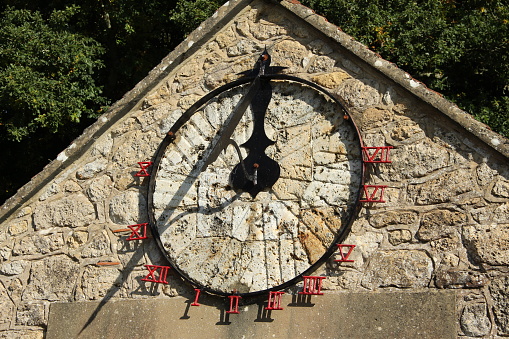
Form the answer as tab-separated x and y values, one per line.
333	315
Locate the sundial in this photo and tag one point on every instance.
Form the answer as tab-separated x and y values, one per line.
256	183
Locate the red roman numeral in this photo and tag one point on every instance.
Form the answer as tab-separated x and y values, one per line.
196	296
136	230
376	154
156	274
312	285
143	172
234	304
274	302
376	194
344	256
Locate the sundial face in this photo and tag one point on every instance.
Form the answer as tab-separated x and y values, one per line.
227	237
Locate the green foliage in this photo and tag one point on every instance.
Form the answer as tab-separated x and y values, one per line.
46	73
458	48
189	14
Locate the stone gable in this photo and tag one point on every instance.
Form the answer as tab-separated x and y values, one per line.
444	225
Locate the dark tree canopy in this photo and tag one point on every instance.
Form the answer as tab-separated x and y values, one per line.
62	61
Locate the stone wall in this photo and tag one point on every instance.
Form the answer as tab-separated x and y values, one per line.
445	223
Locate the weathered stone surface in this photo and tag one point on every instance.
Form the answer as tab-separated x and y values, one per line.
39	243
52	278
400	268
436	224
100	188
18	227
128	208
23	334
499	289
71	211
13	267
359	94
76	239
71	186
53	189
133	147
475	321
441	189
416	160
393	218
488	244
485	174
375	117
97	282
442	182
454	278
31	314
501	213
330	80
91	169
99	245
424	315
6	307
397	237
501	189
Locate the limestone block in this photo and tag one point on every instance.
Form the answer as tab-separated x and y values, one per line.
76	239
91	169
400	268
374	117
474	320
453	278
5	252
321	64
128	208
330	80
441	189
31	314
320	47
242	47
499	289
97	282
501	213
13	267
52	278
39	244
24	334
6	307
103	145
99	245
485	174
264	30
100	188
359	94
73	210
397	237
53	189
133	147
393	218
18	226
436	224
488	244
71	186
290	53
15	289
501	189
